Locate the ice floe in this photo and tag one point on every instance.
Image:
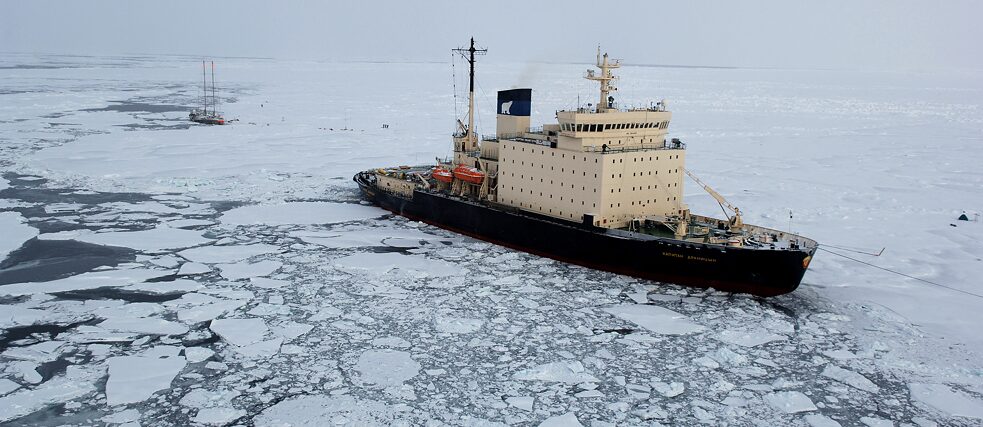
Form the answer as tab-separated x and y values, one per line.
572	372
226	254
656	319
382	263
949	401
15	232
155	240
245	270
98	279
790	401
386	367
135	378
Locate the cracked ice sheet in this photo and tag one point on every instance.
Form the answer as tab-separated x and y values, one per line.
99	279
656	319
155	240
15	232
300	213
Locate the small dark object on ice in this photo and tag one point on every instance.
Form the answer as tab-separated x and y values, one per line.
963	217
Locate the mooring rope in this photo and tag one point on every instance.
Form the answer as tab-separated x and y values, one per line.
901	274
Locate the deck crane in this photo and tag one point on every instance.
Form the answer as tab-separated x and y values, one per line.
735	220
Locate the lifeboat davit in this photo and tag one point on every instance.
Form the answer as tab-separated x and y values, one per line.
469	174
442	174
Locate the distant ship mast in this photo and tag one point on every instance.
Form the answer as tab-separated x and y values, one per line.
470	140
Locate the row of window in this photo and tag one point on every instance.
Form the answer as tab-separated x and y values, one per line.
600	127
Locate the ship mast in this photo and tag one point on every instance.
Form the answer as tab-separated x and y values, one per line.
204	89
214	104
606	102
468	54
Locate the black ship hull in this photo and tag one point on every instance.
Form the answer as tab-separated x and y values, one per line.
734	269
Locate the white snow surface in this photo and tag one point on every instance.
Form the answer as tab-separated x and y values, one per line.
386	367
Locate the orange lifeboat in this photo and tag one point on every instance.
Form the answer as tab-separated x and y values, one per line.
442	174
469	174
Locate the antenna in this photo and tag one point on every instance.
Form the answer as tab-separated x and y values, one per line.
204	88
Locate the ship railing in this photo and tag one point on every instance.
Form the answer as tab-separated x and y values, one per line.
632	148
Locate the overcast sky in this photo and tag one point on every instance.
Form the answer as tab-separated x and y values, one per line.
868	34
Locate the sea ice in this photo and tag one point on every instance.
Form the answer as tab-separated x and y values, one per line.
457	325
218	415
382	263
656	319
154	240
135	378
568	419
947	400
386	368
192	268
790	402
226	254
320	410
15	232
241	332
818	420
522	402
571	372
245	270
748	337
300	213
849	378
92	280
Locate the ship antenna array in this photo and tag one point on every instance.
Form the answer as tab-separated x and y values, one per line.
469	54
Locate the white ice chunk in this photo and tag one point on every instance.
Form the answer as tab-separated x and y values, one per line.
245	270
850	378
457	325
300	213
153	241
522	402
944	398
266	283
817	420
386	367
197	354
135	378
15	232
190	268
876	422
748	337
790	402
174	286
144	325
6	385
60	389
218	416
568	419
292	330
655	318
240	332
92	280
226	254
571	372
321	410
